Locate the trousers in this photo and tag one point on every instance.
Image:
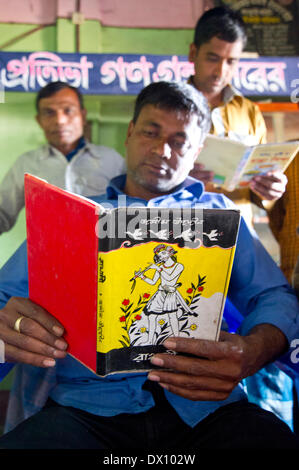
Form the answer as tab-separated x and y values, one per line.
239	425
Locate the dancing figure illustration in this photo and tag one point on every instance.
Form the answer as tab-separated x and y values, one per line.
167	299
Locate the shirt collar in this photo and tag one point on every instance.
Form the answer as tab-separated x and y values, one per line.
81	143
191	186
229	93
79	146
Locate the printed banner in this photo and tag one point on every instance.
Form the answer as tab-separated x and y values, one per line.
116	74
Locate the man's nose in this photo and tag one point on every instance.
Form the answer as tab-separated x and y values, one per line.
61	117
162	148
221	68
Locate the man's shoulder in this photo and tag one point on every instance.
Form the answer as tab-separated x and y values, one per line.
220	199
35	153
101	151
214	199
243	102
30	158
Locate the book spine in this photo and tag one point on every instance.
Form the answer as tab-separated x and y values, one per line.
100	305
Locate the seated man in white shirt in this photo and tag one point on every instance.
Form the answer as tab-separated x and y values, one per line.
67	160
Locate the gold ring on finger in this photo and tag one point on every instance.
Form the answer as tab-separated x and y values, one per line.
17	324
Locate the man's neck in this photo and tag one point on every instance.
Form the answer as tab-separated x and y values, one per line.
65	150
72	148
214	99
139	192
136	191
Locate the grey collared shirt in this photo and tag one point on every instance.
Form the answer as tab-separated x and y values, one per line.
88	173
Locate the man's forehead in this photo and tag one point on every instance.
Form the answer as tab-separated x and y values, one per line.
165	117
62	97
220	48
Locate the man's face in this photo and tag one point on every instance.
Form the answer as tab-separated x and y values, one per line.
161	148
62	119
214	64
163	255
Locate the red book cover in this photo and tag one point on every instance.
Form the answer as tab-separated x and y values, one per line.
63	262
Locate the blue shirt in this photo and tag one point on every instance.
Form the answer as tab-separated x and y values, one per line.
257	289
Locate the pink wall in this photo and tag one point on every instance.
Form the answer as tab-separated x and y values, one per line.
28	11
143	13
124	13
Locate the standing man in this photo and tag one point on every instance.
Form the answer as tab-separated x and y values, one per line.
67	160
219	40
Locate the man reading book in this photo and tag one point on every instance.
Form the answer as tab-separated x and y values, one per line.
219	39
195	399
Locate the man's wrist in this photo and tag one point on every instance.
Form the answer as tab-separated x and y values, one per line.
266	343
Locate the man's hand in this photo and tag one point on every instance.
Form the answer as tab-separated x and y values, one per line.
201	174
270	186
210	370
39	341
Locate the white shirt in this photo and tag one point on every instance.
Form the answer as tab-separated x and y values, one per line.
88	173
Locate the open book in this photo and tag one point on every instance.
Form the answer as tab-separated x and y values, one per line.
123	280
234	164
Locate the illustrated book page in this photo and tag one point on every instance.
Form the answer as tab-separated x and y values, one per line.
234	164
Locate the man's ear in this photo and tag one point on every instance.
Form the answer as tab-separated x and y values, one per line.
192	52
129	131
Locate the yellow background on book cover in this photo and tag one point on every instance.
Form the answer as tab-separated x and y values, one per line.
117	267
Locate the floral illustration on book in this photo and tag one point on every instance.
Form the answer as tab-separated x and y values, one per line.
153	318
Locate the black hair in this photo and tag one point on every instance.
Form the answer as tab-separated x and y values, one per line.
224	23
52	88
175	96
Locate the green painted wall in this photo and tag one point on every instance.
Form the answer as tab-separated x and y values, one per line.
18	133
109	116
